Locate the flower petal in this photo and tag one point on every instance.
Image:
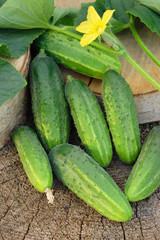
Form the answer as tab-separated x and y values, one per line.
88	38
85	27
107	16
93	16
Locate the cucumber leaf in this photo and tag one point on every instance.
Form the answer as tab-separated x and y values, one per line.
118	26
26	14
14	42
65	16
153	4
121	6
148	17
11	81
4	50
2	2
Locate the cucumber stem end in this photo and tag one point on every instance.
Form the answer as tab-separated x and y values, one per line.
50	196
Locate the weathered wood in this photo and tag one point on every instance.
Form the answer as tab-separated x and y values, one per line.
26	214
13	111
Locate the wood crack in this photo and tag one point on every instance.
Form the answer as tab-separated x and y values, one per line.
140	224
8	180
32	219
6	212
157	196
102	226
123	231
81	229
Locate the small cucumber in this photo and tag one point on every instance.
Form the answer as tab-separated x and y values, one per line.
34	159
121	116
145	175
64	46
89	121
90	182
49	105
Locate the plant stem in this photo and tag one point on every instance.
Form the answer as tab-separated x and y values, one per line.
121	52
95	43
141	43
141	70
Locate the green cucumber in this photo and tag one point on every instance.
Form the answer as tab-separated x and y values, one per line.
34	160
49	105
90	182
145	175
64	46
121	116
89	121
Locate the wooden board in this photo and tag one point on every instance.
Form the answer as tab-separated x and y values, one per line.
148	109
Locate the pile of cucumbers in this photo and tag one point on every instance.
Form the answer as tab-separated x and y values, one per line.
53	104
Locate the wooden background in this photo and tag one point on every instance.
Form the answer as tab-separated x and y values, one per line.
25	213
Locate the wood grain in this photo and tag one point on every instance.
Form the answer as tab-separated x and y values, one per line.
26	215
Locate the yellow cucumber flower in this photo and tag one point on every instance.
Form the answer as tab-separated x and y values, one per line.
94	26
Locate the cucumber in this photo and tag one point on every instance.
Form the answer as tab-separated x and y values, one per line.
64	46
89	181
49	105
34	160
145	175
89	121
121	116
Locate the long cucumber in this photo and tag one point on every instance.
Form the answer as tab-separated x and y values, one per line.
145	175
121	116
90	182
89	121
34	159
49	105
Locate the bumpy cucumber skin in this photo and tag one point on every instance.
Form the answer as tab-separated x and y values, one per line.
89	121
49	105
67	51
145	175
33	157
121	116
90	182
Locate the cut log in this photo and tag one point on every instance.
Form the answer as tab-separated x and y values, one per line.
13	111
26	214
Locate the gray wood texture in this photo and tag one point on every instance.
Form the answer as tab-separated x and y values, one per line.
26	214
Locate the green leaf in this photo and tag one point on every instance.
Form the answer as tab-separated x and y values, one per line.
121	6
148	17
118	26
153	4
26	14
14	42
11	81
2	2
65	16
4	50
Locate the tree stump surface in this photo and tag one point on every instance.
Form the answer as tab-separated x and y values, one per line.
26	215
